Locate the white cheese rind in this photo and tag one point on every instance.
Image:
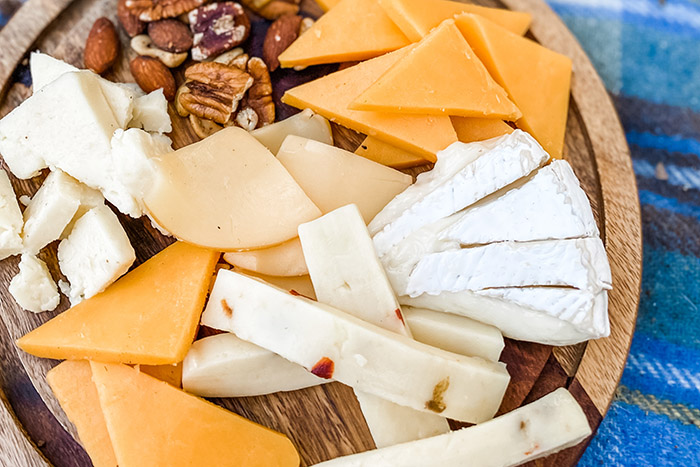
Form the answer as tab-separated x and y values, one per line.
33	288
513	157
579	263
548	425
226	366
10	219
454	333
365	356
96	253
551	205
151	113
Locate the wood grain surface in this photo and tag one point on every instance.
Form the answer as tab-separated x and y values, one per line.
325	422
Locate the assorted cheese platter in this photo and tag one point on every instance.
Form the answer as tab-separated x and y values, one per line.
352	225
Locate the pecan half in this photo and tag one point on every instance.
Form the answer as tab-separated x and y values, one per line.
218	27
260	94
214	90
153	10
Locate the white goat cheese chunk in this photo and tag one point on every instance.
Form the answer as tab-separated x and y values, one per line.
33	288
151	113
10	219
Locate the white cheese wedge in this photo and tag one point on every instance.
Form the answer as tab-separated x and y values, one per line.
454	333
33	288
306	124
579	263
550	205
95	254
347	275
89	199
331	343
548	425
510	158
151	113
226	366
10	219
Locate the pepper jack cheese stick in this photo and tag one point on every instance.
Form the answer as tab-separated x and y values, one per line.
546	426
334	344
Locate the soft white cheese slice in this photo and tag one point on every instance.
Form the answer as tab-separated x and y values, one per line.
579	263
454	333
96	253
151	113
335	344
548	425
10	219
510	158
33	288
226	366
550	205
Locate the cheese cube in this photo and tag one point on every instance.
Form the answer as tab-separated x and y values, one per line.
306	124
33	288
95	254
151	113
10	219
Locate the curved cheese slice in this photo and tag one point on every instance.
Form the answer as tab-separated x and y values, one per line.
285	259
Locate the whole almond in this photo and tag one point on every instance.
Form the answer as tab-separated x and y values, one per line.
151	74
280	35
129	21
170	35
102	46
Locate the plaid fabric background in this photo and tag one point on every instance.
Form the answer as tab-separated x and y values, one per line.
648	54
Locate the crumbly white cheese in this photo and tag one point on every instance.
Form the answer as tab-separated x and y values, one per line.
10	219
151	113
45	69
95	254
33	288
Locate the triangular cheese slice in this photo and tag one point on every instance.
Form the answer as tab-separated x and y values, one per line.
439	76
470	129
543	97
417	17
386	154
352	30
331	95
152	423
71	383
149	316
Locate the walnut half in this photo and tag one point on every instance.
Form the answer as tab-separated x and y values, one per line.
153	10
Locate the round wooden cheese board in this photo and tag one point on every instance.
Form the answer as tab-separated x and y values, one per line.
325	421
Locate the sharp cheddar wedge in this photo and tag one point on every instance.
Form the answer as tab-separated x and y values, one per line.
470	129
387	154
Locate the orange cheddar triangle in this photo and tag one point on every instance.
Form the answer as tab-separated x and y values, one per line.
417	17
439	76
152	423
384	153
470	130
352	30
538	80
331	95
149	316
71	383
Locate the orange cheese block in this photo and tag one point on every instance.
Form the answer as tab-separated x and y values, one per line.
331	95
538	80
352	30
71	383
171	374
439	76
152	423
384	153
417	17
149	316
327	4
479	129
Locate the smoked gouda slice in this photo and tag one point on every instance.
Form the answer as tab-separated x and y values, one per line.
331	95
417	17
386	154
352	30
470	130
149	316
439	76
152	423
538	80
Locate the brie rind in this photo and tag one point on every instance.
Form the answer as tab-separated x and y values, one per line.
580	263
510	158
10	219
550	205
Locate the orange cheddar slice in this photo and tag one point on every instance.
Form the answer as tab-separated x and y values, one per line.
470	130
331	95
536	79
327	4
152	423
352	30
71	383
149	316
171	374
384	153
417	17
439	76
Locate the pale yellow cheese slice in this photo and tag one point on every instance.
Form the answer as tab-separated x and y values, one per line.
285	259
